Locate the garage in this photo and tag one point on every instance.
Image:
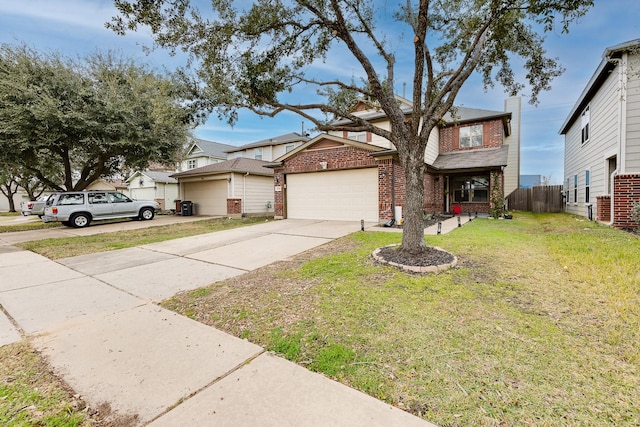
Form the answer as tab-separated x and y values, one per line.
345	195
209	197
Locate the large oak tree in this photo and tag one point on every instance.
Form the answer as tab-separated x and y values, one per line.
69	122
253	55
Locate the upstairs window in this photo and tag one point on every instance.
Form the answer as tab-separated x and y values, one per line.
471	136
584	123
257	153
358	136
192	164
289	147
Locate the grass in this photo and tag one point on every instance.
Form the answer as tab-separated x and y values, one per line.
57	248
30	395
538	325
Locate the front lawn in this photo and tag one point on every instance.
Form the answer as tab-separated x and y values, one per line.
538	325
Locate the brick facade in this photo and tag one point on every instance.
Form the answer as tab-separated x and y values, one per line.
626	191
603	208
492	136
234	207
331	155
325	155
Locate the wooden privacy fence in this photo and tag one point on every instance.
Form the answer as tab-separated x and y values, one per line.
547	198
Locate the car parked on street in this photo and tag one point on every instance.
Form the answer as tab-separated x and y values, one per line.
79	208
34	207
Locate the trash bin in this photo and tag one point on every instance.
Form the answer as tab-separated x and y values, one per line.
187	208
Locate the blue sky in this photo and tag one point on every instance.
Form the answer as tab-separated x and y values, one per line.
76	27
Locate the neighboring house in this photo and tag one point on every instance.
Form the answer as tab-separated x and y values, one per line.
234	187
529	181
269	149
201	153
357	175
108	185
154	185
602	141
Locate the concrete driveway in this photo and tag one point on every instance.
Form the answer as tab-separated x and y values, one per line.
94	318
92	229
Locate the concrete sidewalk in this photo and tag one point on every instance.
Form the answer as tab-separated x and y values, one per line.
95	320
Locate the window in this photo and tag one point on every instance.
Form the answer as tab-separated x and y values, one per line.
358	136
584	121
566	192
587	178
192	164
289	147
71	199
257	153
97	198
575	188
471	136
471	189
119	198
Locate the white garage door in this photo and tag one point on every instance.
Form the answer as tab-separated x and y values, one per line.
349	195
209	197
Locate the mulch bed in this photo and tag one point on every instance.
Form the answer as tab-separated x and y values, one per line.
428	257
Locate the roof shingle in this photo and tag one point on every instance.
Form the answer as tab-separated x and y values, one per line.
237	165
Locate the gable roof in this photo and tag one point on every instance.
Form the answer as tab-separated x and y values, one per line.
322	138
607	64
461	115
282	139
472	159
237	165
157	176
208	148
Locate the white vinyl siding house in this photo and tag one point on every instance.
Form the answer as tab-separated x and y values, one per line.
594	152
201	153
268	149
153	185
256	193
602	139
632	152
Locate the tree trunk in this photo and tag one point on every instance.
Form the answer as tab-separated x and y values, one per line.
9	195
413	226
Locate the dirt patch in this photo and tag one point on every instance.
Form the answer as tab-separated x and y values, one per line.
267	295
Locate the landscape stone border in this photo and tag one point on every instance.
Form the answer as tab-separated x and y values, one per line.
415	268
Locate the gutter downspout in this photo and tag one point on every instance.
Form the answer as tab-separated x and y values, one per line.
622	129
244	192
393	190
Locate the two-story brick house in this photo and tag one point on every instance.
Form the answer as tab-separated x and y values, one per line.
357	175
602	140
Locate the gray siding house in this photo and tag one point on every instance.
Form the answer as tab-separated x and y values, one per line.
602	140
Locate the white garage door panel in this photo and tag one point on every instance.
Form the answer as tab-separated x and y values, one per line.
210	197
349	195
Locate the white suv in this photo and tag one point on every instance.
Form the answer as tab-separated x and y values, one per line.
79	208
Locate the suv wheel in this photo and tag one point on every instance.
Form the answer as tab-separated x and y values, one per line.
80	220
146	214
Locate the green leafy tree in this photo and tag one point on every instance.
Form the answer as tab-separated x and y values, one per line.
8	186
67	123
253	55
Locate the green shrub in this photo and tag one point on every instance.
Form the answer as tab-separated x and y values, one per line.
635	213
